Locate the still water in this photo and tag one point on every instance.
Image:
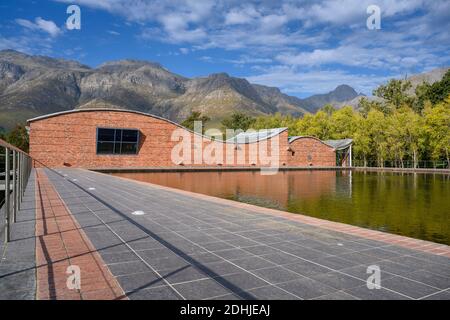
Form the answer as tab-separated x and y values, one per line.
410	204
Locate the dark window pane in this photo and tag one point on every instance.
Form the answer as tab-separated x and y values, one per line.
117	141
105	147
118	135
129	148
105	134
130	136
117	148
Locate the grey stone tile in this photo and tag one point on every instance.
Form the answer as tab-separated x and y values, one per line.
17	295
120	257
139	281
430	279
159	293
219	268
359	257
306	288
217	246
119	269
260	250
167	263
241	282
253	263
307	269
232	254
442	295
183	274
431	257
159	253
271	293
280	258
242	243
277	275
380	253
407	287
229	296
338	280
202	258
336	263
364	293
201	289
338	295
360	272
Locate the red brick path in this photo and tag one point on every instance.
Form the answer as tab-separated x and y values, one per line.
60	242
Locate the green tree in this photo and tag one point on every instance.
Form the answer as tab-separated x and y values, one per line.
395	92
365	106
376	127
362	140
435	93
19	137
342	123
328	109
274	121
238	120
437	128
193	117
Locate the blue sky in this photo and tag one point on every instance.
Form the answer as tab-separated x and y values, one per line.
302	47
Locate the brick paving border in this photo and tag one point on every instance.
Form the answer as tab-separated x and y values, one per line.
392	239
60	242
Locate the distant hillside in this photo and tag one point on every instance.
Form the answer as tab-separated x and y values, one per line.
35	85
342	93
416	79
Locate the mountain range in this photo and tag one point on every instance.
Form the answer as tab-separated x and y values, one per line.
35	85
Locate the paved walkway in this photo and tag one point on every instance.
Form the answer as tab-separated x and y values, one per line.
160	243
18	262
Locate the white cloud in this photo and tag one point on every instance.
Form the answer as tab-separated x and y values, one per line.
302	37
47	26
114	33
314	82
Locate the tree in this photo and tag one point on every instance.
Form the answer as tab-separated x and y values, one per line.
437	128
342	123
395	92
435	93
238	121
328	109
362	141
365	106
19	137
376	128
193	117
275	121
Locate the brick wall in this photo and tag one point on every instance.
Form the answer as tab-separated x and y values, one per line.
70	140
309	151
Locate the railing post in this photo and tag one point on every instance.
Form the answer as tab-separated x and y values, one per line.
7	217
21	178
18	182
14	198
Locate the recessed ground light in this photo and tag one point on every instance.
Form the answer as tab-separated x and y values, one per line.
65	175
75	180
138	213
340	244
91	188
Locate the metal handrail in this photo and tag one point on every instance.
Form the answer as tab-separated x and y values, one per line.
20	171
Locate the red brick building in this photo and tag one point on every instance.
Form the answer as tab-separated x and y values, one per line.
111	138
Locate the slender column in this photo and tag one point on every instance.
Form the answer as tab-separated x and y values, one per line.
14	186
19	179
350	155
7	213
